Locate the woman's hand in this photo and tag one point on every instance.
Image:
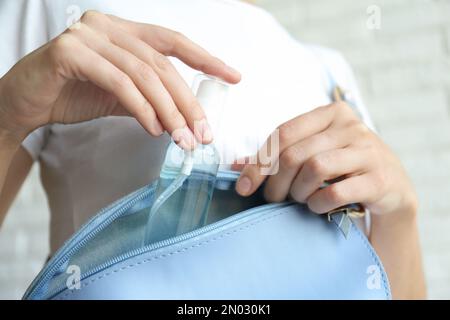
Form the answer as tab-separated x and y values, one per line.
331	143
102	66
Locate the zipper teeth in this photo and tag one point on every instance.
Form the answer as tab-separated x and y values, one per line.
174	240
61	260
48	273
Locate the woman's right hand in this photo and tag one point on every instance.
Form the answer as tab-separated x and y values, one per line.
102	66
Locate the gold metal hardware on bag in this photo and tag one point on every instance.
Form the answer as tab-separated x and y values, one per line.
354	211
343	216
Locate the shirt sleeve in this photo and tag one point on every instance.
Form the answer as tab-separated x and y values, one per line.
35	142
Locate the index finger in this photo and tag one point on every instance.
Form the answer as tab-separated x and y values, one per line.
289	133
172	43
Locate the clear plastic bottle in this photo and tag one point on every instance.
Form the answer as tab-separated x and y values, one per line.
187	179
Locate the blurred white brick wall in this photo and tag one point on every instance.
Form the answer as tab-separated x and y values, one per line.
24	239
404	74
403	71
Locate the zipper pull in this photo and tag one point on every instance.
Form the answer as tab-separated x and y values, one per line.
342	217
343	222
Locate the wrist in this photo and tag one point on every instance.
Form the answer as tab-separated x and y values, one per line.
406	215
8	140
9	137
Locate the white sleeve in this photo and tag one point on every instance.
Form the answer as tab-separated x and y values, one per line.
35	142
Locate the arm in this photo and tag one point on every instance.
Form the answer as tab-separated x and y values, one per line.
102	66
396	240
8	147
12	175
331	143
107	66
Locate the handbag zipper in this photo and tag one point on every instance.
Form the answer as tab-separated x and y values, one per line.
175	240
76	243
60	258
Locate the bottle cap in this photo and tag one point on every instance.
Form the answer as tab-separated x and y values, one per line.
212	94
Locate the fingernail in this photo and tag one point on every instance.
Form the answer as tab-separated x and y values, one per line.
184	138
234	71
204	133
244	185
158	128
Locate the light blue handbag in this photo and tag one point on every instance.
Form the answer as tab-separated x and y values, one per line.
253	251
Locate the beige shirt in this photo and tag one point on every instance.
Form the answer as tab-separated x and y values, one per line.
86	166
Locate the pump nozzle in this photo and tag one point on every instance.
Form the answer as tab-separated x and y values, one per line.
188	163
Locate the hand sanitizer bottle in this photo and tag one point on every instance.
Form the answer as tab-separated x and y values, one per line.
187	178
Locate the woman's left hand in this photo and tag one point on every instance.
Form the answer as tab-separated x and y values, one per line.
325	144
